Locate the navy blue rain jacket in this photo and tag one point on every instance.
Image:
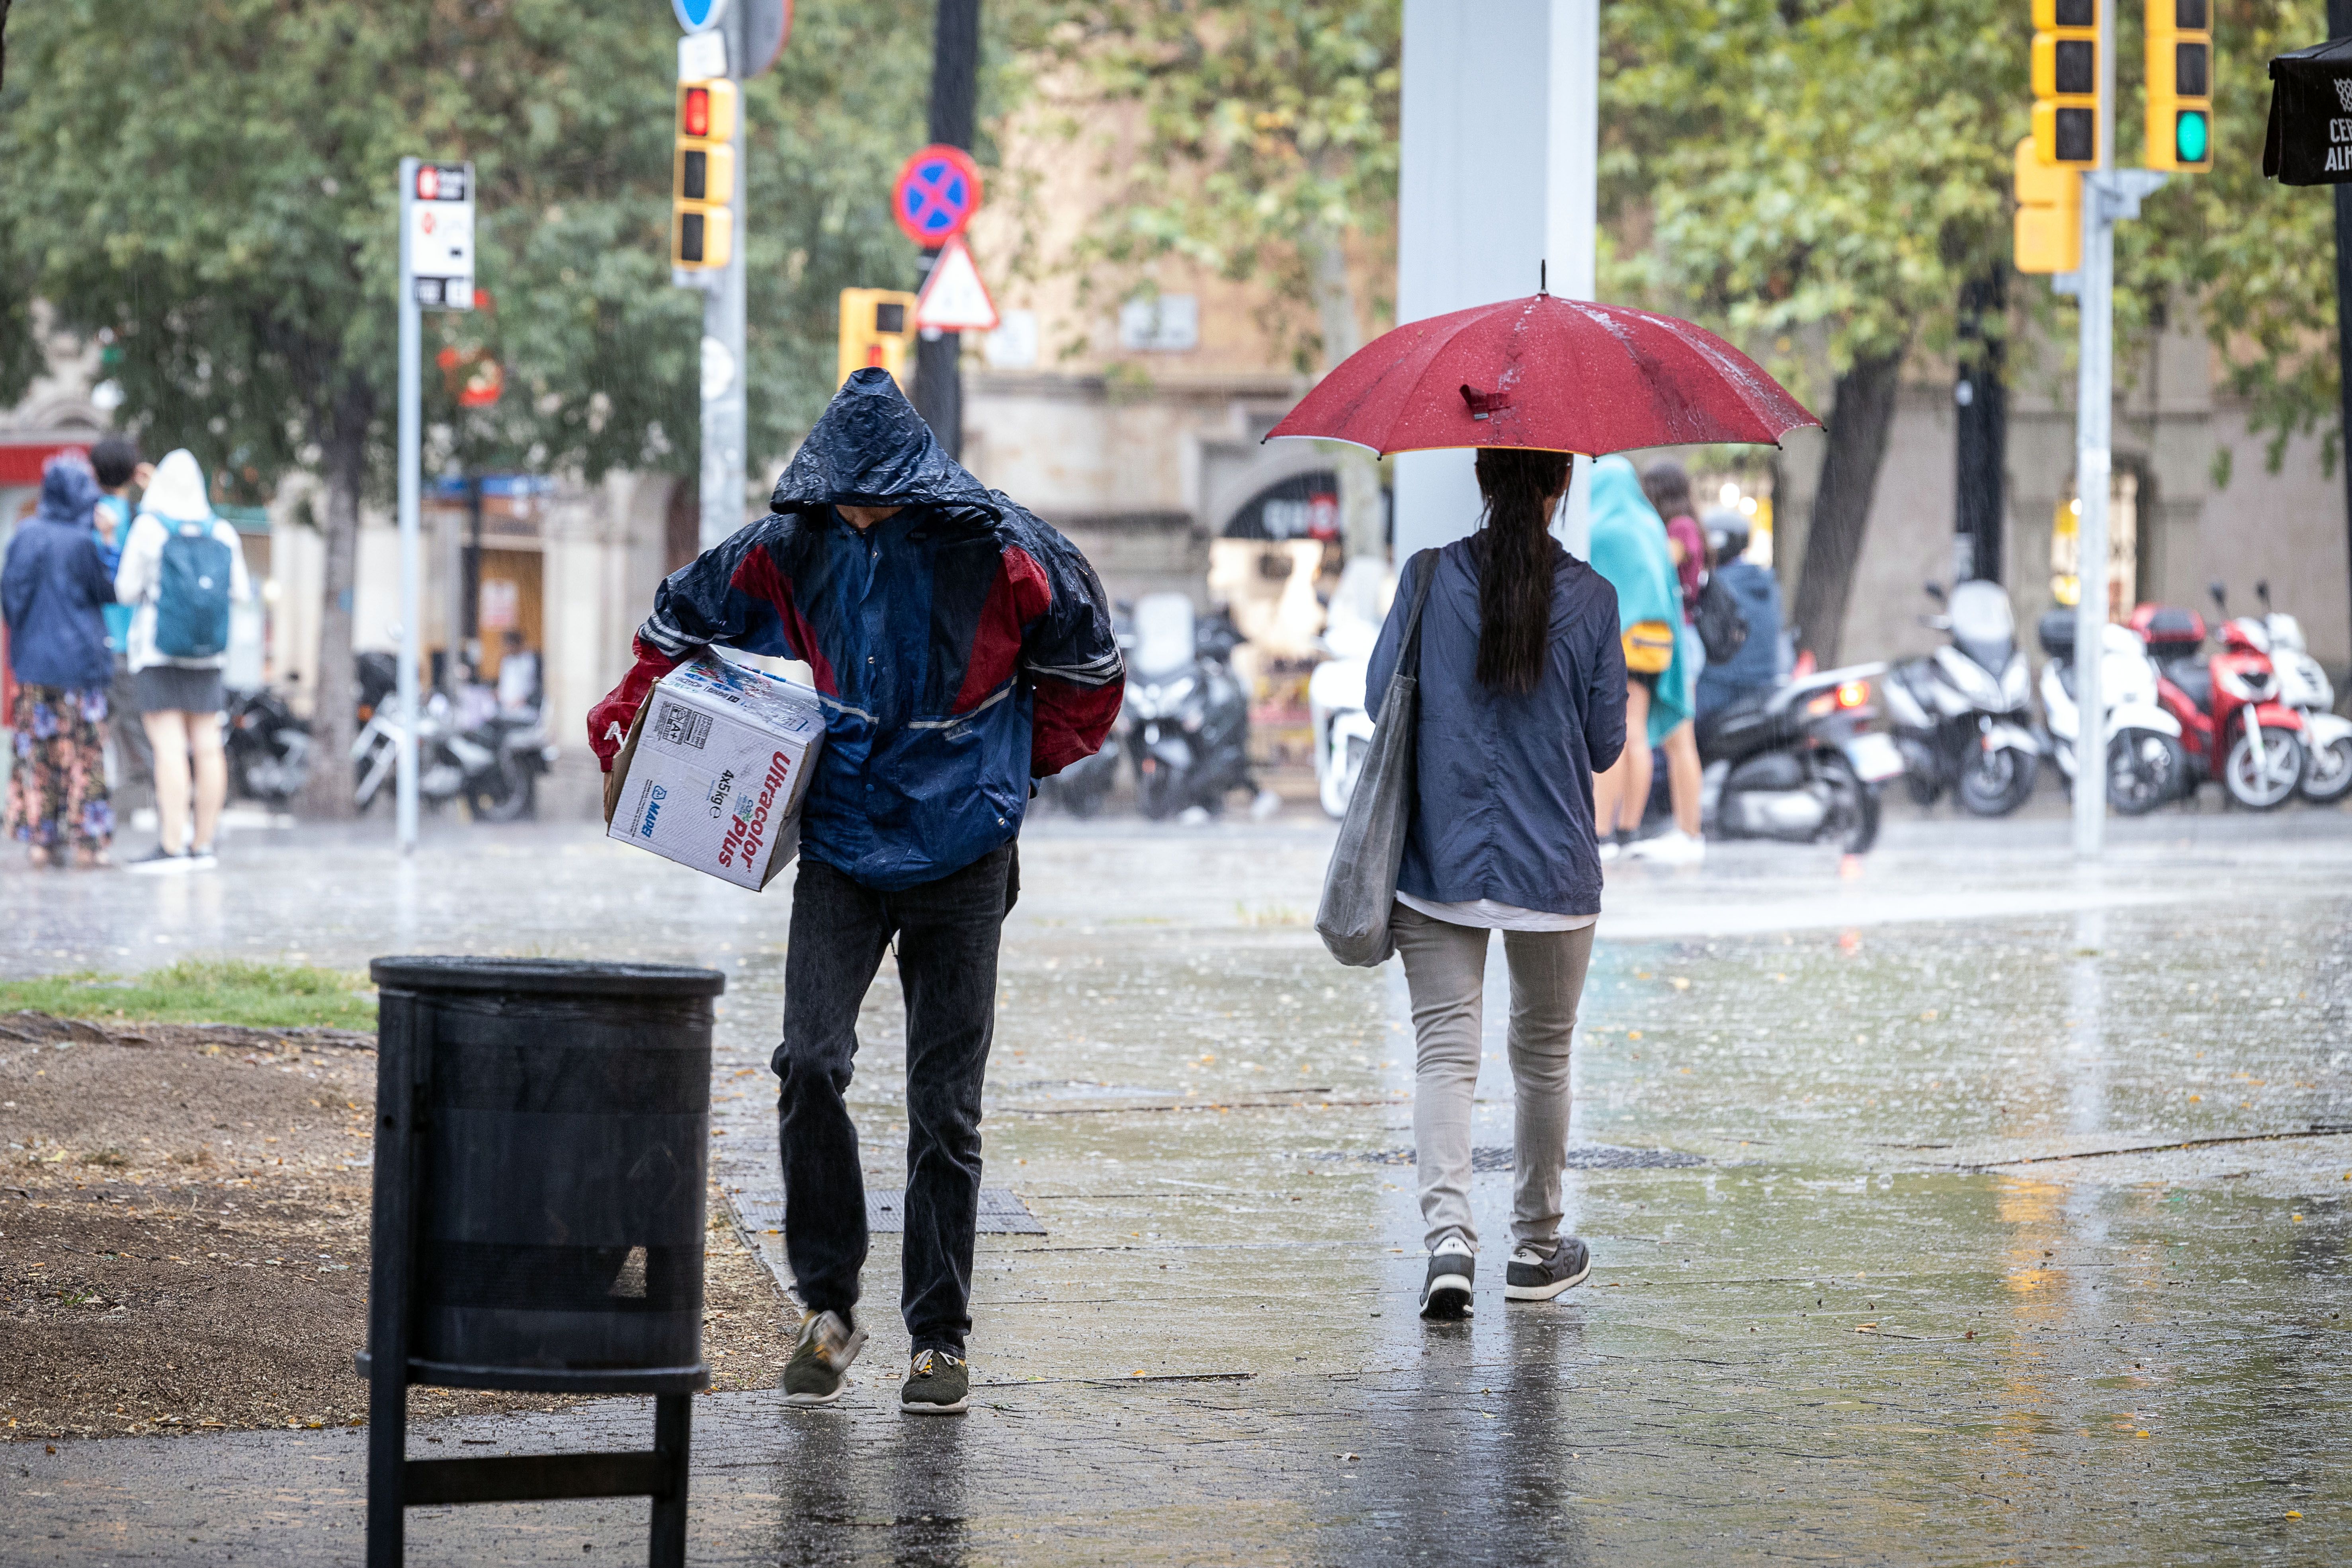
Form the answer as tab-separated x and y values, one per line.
1756	666
961	647
54	588
1503	793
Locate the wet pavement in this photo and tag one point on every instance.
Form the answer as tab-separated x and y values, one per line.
1958	1206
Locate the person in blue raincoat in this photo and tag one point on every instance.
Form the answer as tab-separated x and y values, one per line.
961	648
1629	550
54	590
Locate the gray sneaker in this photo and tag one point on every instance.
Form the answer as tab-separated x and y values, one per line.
1445	1293
938	1383
821	1359
1536	1274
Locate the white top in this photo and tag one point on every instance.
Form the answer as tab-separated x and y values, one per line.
140	578
1486	912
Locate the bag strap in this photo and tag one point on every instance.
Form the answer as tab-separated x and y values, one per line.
1409	657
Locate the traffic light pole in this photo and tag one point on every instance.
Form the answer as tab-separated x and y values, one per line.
724	413
409	458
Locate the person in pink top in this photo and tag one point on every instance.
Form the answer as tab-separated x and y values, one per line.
1668	486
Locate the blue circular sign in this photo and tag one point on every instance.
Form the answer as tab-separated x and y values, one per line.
698	16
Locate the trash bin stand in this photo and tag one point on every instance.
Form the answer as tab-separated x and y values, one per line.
396	1482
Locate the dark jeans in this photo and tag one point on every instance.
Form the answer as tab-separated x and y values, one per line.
946	933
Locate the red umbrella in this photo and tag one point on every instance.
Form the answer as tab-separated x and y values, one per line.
1561	375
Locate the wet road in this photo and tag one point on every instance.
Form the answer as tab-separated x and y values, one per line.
2005	1222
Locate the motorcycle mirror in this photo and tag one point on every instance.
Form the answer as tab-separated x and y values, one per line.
1934	591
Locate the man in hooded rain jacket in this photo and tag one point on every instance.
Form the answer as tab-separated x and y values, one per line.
961	648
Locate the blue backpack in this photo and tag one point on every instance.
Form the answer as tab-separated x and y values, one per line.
192	603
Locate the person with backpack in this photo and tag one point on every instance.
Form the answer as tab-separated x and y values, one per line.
1666	484
1522	701
115	459
1629	549
181	570
53	590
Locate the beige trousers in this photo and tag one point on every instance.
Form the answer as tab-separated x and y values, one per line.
1445	968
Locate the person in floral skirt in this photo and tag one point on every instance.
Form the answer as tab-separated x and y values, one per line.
53	590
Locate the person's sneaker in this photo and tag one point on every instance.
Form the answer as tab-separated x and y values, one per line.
938	1383
1608	850
202	859
821	1359
1536	1274
160	862
1445	1294
1672	848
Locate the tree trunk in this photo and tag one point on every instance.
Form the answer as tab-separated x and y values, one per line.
335	697
1858	428
1361	522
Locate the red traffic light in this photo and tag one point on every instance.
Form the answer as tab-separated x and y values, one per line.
695	111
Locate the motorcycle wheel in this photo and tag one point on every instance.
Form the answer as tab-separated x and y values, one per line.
1854	811
1996	783
2145	769
2327	775
1159	792
503	795
2267	787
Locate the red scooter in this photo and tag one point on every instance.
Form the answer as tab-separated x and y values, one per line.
2233	724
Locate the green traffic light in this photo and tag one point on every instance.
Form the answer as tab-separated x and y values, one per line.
2190	136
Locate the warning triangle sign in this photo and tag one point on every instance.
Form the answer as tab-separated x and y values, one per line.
954	300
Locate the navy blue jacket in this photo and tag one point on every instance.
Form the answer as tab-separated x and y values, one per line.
54	588
1756	665
961	647
1503	803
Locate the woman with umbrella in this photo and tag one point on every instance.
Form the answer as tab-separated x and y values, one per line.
1522	699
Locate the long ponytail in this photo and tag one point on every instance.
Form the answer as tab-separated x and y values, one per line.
1514	553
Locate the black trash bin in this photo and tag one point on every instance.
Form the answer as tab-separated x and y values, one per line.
542	1134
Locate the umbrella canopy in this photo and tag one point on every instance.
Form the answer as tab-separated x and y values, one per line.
1561	375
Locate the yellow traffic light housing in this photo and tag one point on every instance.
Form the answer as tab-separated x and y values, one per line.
702	189
878	329
2049	236
2066	77
2179	85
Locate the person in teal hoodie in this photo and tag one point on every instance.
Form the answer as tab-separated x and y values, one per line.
1629	549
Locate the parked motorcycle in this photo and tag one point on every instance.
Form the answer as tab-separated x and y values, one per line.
2146	765
1187	717
2232	722
1798	762
268	748
2303	686
1959	715
494	766
1081	788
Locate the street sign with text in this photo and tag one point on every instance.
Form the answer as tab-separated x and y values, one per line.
441	235
2310	138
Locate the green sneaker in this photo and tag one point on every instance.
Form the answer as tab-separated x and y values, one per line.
821	1359
938	1383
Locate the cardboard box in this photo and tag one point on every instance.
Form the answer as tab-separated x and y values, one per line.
715	769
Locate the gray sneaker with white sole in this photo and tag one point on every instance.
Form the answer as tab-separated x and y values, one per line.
1536	1274
1445	1293
821	1359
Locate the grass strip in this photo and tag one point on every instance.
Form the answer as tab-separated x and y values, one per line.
196	991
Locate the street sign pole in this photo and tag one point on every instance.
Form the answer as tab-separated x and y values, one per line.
724	413
411	542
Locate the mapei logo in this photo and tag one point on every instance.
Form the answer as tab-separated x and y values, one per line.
653	809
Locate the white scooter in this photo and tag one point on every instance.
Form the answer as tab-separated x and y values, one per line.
2146	765
1335	691
2305	687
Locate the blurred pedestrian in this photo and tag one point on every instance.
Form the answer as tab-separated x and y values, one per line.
962	648
1522	701
182	569
1667	487
1629	549
1755	668
54	590
115	460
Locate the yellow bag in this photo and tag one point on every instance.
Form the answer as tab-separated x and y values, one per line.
1649	648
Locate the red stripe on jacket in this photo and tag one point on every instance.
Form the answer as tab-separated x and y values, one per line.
1015	599
757	577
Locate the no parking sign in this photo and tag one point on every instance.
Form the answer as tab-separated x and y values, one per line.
937	193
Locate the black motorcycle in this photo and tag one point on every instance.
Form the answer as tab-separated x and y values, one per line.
268	748
1186	718
1081	788
1798	762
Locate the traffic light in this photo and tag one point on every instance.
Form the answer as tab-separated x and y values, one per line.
2180	85
2066	46
878	327
702	194
2049	214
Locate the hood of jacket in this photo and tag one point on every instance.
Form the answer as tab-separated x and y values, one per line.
1629	546
179	493
871	448
69	491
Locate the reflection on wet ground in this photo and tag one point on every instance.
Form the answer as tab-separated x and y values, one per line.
2018	1229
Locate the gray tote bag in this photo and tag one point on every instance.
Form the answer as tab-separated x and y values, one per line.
1360	889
